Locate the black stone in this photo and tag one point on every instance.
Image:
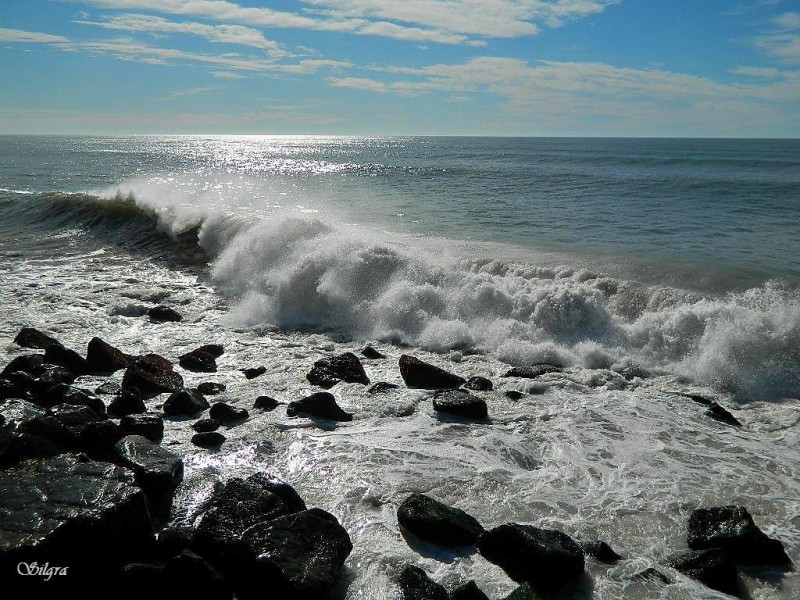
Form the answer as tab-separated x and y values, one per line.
227	414
109	388
712	567
419	374
433	521
62	393
254	372
127	403
149	382
27	431
370	352
208	439
382	387
599	550
718	413
149	426
460	403
330	370
321	404
195	577
185	402
102	357
57	354
206	425
198	361
28	363
523	592
161	314
91	431
532	372
28	337
514	395
479	384
416	585
157	470
292	500
209	388
468	591
266	403
9	389
215	350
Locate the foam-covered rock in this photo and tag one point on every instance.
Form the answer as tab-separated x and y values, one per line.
460	403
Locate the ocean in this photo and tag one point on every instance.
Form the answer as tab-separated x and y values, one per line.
645	268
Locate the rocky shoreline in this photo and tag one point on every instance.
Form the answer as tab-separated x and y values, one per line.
87	483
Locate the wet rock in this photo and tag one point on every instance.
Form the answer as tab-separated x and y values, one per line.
514	395
460	403
435	522
206	425
479	384
174	539
51	508
254	372
158	471
90	431
632	371
28	337
208	439
382	387
52	375
419	374
416	585
198	361
209	388
149	426
163	314
140	579
545	558
127	403
266	403
523	592
599	550
185	402
321	405
154	363
370	352
152	374
102	357
62	393
533	371
227	414
651	574
732	528
28	363
284	491
718	413
712	567
301	554
26	431
215	350
468	591
56	354
330	370
9	389
195	577
109	388
699	398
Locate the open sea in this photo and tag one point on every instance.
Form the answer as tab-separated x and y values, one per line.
647	268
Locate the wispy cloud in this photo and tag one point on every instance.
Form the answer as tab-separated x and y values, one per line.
226	75
787	21
744	9
30	37
358	83
184	93
760	72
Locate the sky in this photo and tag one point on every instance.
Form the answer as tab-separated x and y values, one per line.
678	68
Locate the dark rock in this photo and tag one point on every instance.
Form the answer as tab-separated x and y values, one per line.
468	591
109	388
195	577
71	512
370	352
199	361
254	372
215	350
208	439
292	500
514	395
28	363
700	399
523	592
460	403
27	431
140	579
209	388
52	375
479	384
733	529
651	574
712	567
632	371
545	558
127	403
174	539
433	521
185	402
154	363
62	393
206	425
102	357
57	354
382	387
715	411
266	403
28	337
416	585
157	470
161	314
419	374
330	370
533	371
599	550
300	554
321	404
9	389
152	374
227	414
91	431
149	426
21	385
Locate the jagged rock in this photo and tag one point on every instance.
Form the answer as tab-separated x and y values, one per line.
712	567
91	431
28	337
162	314
370	352
468	591
198	361
651	574
301	554
215	350
154	363
102	357
150	377
174	539
71	512
718	413
57	354
209	388
185	402
631	371
545	558
206	425
227	414
195	577
733	529
208	439
599	550
149	426
523	592
109	388
533	371
52	375
416	585
321	404
266	403
292	500
460	403
330	370
26	431
479	384
419	374
433	521
699	398
382	387
157	470
28	363
62	393
127	403
514	395
9	389
254	372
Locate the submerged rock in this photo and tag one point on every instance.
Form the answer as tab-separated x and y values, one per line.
599	550
479	384
419	374
149	426
416	585
382	387
533	371
468	591
157	470
206	425
330	370
460	403
102	357
209	388
433	521
227	414
712	567
254	372
28	337
266	403
163	314
321	404
198	361
185	402
514	395
718	413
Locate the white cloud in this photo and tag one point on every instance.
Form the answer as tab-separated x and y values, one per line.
184	93
760	72
226	75
30	37
784	47
788	21
358	83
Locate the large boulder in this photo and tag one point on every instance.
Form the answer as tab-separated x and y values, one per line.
712	567
129	402
211	388
543	557
321	405
195	577
56	354
460	403
416	585
208	439
152	374
27	363
164	314
146	425
198	361
532	372
102	357
157	470
26	431
468	591
330	370
433	521
89	430
185	402
524	592
227	414
28	337
62	393
599	550
419	374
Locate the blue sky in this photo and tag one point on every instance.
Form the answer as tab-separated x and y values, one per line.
695	68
